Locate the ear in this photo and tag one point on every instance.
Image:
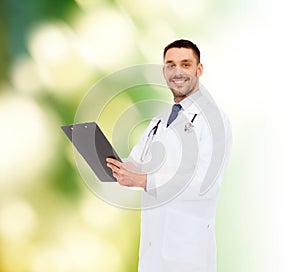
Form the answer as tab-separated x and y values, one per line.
163	71
199	69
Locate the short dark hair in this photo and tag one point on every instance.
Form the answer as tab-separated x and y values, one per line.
185	44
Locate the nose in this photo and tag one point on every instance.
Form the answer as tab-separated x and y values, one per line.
178	72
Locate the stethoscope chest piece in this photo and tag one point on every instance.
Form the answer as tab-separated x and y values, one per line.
188	127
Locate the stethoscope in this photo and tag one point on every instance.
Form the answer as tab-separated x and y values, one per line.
187	128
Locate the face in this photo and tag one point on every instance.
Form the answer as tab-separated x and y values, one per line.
182	72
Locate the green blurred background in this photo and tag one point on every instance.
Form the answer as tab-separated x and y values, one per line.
53	51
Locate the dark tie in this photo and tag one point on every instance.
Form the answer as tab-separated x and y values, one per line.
175	109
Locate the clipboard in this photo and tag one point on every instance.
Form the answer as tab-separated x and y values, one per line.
94	147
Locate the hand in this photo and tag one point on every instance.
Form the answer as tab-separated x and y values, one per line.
127	174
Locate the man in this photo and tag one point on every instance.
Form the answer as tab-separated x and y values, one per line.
180	189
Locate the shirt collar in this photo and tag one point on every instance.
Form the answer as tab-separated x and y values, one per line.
187	102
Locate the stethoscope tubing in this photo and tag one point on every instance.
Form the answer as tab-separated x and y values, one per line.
152	133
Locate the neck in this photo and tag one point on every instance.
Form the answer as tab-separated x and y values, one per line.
177	99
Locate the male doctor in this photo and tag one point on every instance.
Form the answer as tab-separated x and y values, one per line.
181	177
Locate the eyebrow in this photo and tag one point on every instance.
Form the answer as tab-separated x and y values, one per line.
185	60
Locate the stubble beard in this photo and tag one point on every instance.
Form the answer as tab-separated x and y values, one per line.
184	91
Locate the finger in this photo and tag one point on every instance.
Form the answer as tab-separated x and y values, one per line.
113	161
113	167
115	175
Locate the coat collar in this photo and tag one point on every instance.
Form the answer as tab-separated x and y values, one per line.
190	105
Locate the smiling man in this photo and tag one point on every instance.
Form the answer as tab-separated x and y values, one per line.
182	69
177	229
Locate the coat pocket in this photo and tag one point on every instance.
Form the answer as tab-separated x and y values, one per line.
188	239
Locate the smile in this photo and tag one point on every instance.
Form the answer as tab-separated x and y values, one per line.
179	81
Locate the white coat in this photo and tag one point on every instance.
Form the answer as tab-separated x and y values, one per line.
178	221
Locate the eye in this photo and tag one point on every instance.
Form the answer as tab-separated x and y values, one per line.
186	65
170	66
